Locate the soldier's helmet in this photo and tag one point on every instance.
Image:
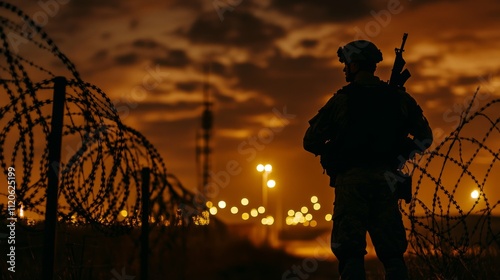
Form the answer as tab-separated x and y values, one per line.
360	50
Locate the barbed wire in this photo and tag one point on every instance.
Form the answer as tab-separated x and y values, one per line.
102	157
450	227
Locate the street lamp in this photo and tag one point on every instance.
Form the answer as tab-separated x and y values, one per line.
265	170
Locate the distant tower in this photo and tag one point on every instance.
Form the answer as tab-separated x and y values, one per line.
203	138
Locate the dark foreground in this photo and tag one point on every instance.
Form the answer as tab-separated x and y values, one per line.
207	252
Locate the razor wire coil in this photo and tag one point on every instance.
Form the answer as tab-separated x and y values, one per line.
100	169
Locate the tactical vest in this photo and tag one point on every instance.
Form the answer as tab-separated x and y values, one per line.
372	131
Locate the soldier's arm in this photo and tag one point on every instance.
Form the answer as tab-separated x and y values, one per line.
418	125
322	125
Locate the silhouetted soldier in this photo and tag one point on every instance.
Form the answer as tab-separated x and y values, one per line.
361	135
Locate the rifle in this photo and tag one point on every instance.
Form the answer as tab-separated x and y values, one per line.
398	76
398	79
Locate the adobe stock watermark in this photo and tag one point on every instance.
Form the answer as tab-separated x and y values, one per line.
222	6
121	276
250	146
11	219
48	9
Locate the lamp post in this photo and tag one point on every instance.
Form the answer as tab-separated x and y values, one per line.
266	170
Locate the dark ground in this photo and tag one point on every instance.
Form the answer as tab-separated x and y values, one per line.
201	253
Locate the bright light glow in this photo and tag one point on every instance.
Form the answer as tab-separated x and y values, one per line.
317	206
313	223
270	220
474	194
124	213
306	223
203	219
264	221
245	216
314	199
271	184
289	221
291	213
298	215
209	204
260	167
234	210
268	168
244	201
328	217
213	210
21	212
222	204
304	209
309	217
261	209
254	212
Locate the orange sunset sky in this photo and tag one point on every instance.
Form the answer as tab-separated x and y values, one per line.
270	59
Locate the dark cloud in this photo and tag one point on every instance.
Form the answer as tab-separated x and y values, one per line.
467	80
218	68
188	86
146	43
298	82
458	38
483	80
76	13
126	59
287	76
105	35
100	55
174	58
320	11
133	24
224	98
151	49
323	10
240	29
308	43
164	108
195	5
425	2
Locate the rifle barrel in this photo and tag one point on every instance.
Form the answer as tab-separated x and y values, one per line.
405	35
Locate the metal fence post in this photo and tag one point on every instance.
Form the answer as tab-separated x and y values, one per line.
53	170
145	223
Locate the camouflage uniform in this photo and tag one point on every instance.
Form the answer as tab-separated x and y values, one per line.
357	138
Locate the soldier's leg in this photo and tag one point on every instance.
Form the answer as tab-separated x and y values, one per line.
388	234
349	232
